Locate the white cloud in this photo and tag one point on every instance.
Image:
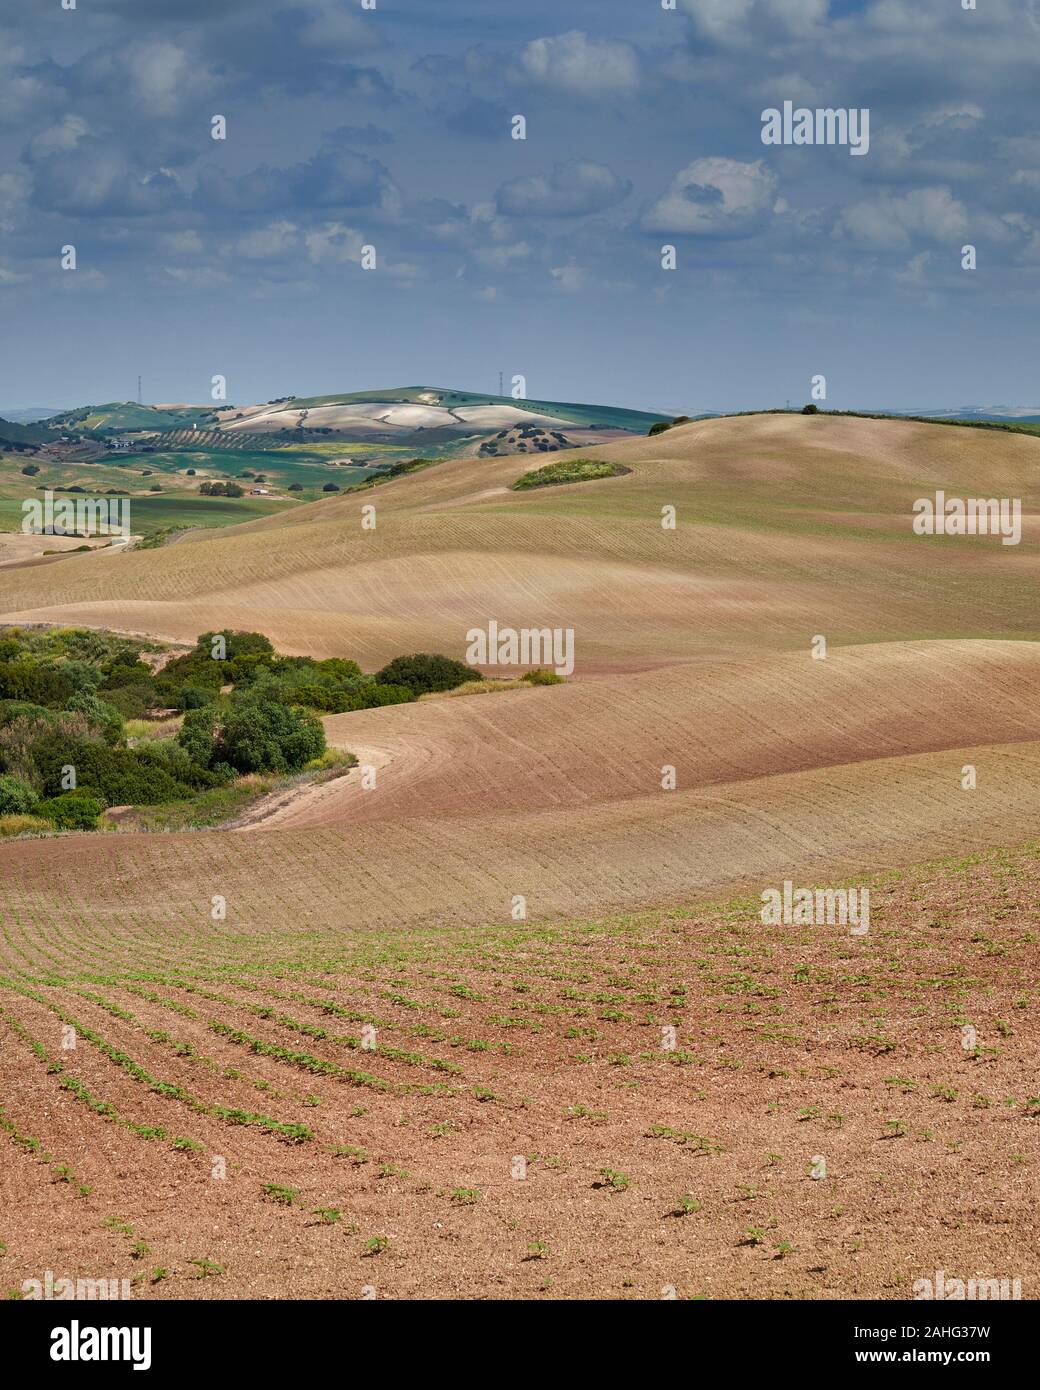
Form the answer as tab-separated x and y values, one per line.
501	256
570	278
187	243
196	277
268	243
335	30
590	67
714	197
893	221
334	243
58	139
575	188
737	21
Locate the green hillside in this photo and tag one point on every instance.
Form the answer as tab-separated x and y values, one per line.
128	415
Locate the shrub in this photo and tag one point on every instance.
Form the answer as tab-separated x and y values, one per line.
103	716
71	811
31	469
258	735
38	685
810	410
425	671
116	776
132	701
196	736
569	471
542	676
16	796
191	697
295	487
659	427
330	487
264	736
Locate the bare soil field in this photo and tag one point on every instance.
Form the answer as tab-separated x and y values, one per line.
503	1113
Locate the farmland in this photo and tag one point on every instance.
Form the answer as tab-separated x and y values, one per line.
409	1029
485	1113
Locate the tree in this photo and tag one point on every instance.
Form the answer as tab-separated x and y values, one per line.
103	716
256	735
17	798
265	736
810	410
425	671
72	811
659	427
31	469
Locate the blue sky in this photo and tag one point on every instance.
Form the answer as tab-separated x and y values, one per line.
390	128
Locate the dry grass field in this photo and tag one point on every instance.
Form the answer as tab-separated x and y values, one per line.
425	1051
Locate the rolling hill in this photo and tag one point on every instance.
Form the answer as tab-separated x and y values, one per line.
539	882
788	527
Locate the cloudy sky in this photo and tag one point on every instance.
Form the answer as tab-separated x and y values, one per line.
391	127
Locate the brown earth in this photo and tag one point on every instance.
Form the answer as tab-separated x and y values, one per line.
514	898
644	1169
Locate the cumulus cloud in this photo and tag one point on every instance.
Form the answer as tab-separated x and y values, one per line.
714	197
333	29
572	189
573	62
570	278
894	221
94	179
272	242
738	21
334	243
332	178
57	139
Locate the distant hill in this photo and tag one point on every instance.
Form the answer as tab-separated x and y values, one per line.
17	435
1009	414
29	414
128	416
428	420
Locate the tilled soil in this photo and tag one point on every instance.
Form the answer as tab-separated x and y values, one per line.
502	1114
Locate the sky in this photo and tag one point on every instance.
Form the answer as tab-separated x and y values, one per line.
389	124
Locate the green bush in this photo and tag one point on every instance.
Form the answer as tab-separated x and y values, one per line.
269	737
132	701
116	776
103	716
38	685
17	798
425	672
810	410
257	735
71	811
541	676
191	697
569	470
659	427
